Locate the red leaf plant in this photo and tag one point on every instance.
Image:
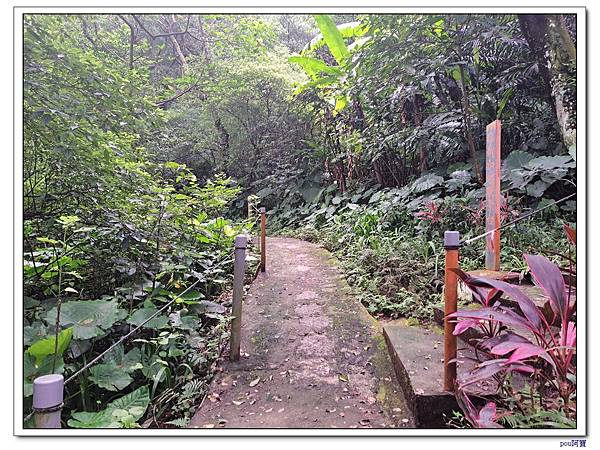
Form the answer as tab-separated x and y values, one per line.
431	212
522	339
486	417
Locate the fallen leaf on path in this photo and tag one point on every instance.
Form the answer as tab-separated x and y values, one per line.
343	377
255	382
237	403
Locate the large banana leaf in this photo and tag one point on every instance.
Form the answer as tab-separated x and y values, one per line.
333	38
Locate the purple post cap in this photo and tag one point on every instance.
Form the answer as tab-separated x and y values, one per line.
48	391
451	238
241	241
263	210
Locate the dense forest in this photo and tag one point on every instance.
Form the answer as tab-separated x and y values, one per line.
146	136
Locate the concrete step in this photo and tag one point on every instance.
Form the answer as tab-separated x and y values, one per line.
417	354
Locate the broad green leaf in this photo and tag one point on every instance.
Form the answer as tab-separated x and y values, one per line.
139	316
551	162
206	306
517	159
333	38
134	404
128	362
347	30
89	318
313	67
45	347
537	189
427	182
34	332
110	377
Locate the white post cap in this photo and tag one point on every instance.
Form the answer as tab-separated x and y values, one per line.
48	391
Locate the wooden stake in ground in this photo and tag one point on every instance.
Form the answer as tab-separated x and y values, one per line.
492	195
239	269
263	240
451	244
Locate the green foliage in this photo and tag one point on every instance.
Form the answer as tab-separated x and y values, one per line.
333	38
363	132
46	347
112	230
88	318
389	241
121	413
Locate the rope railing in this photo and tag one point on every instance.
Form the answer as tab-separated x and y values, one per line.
518	219
48	389
452	244
128	335
112	347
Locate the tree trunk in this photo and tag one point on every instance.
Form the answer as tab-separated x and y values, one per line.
177	48
418	110
551	43
467	125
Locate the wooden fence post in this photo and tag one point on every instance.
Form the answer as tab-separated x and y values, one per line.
48	400
451	245
492	194
263	240
239	270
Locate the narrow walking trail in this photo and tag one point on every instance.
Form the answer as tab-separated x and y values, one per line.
312	357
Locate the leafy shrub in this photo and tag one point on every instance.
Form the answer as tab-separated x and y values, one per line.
524	339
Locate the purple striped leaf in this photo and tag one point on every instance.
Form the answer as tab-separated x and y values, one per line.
504	316
464	325
525	351
509	336
547	275
530	310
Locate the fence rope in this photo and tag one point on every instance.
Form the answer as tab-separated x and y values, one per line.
518	219
126	336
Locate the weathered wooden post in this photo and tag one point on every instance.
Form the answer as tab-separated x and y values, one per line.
492	194
263	240
48	400
451	245
239	269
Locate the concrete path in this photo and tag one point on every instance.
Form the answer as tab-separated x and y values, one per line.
312	357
